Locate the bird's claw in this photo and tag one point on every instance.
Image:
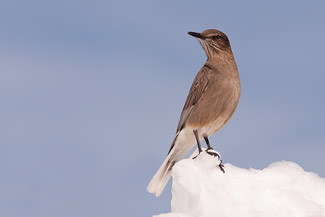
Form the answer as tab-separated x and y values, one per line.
197	154
212	152
221	166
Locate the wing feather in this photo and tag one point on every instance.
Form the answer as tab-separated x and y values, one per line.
198	88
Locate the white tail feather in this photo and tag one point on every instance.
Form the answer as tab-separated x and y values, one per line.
182	143
160	179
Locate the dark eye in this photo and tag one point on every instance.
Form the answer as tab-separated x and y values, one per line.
216	37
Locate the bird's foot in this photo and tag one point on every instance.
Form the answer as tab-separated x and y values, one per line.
200	150
212	152
221	166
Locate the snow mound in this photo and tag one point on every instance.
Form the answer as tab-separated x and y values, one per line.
200	189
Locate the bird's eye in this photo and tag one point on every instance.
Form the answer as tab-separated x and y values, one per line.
215	37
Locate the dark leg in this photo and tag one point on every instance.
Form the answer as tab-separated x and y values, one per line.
198	142
207	142
221	166
210	148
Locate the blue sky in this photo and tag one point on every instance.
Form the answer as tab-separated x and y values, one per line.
91	92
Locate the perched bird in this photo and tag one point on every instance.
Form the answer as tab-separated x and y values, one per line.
211	102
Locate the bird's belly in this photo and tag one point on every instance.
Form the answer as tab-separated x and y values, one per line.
215	107
212	127
212	116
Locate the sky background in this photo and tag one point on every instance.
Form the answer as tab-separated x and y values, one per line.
91	93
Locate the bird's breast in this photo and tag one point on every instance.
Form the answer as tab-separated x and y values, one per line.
216	106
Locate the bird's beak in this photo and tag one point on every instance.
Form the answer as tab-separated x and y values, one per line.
196	35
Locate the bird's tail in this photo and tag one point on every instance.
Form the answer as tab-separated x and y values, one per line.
160	179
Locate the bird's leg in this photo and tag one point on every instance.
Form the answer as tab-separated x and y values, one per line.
213	153
208	143
198	142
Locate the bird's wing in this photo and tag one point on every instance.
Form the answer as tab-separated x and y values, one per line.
198	88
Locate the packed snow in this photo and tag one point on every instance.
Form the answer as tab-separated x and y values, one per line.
200	189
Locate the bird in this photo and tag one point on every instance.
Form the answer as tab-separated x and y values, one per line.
211	102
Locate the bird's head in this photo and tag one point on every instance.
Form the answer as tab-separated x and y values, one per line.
213	41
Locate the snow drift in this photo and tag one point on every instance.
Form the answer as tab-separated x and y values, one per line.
200	189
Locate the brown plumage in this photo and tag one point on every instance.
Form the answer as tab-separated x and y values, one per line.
211	102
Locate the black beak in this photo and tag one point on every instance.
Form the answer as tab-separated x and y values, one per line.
196	35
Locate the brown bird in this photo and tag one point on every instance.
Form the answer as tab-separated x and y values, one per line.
211	102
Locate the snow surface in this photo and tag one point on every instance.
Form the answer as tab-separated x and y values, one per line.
200	189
